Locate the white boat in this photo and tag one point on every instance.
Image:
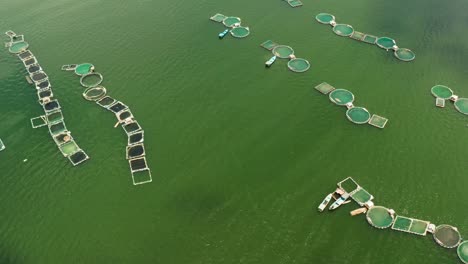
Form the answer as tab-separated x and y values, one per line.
2	146
270	61
339	201
325	202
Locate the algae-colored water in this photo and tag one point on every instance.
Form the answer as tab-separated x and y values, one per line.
241	155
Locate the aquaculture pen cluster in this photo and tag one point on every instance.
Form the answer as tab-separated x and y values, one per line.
285	52
346	30
355	114
380	217
443	93
233	24
53	117
135	150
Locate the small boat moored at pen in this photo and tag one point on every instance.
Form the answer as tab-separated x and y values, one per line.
223	34
325	202
270	61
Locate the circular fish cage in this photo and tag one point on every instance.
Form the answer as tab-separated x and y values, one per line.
341	97
385	43
94	93
231	21
343	30
18	47
298	65
240	32
462	105
84	68
462	251
283	51
358	115
404	54
91	79
441	91
379	217
325	18
447	236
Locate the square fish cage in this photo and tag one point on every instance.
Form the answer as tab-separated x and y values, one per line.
324	88
136	138
378	121
39	121
78	157
131	128
106	102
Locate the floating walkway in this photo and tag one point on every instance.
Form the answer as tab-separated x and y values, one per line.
135	150
380	217
386	43
53	117
355	114
443	93
286	52
294	3
233	24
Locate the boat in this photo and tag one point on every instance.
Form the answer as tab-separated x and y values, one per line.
2	146
270	61
325	202
339	202
223	34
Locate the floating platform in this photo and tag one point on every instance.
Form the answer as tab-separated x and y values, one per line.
57	128
84	68
410	225
240	32
218	18
325	88
2	146
358	115
94	93
135	151
361	196
380	217
447	236
51	106
140	172
325	18
54	117
269	45
91	79
17	47
404	54
442	91
294	3
29	61
106	102
440	102
462	251
298	65
461	105
136	138
283	51
117	107
231	21
378	121
343	30
341	97
39	121
25	55
131	128
78	157
385	43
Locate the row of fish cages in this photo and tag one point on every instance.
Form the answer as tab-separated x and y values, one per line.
285	52
95	92
381	217
385	43
53	117
356	114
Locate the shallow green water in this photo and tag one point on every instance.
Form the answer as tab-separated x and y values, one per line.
241	155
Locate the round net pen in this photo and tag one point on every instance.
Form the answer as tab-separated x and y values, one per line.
447	236
379	217
298	65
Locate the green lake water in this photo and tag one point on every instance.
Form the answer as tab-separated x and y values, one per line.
241	155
